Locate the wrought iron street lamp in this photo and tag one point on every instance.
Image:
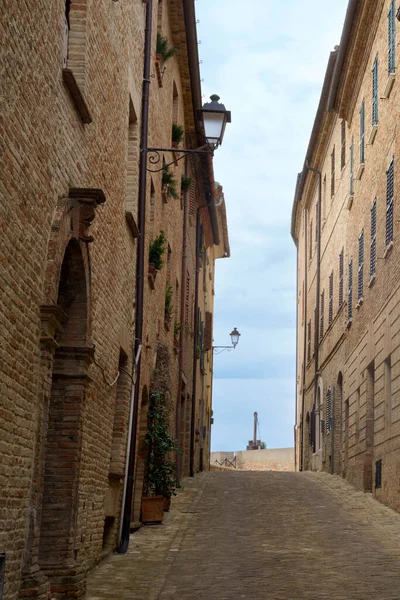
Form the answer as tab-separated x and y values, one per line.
235	335
214	117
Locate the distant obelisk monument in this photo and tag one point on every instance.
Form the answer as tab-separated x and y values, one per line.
254	444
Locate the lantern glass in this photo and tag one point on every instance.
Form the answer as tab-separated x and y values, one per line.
214	125
235	335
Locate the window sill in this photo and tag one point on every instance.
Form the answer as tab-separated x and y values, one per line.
372	135
76	95
360	303
389	85
130	219
372	280
349	201
388	249
360	171
348	324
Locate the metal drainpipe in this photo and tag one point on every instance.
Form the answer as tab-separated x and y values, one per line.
182	317
127	512
305	344
318	292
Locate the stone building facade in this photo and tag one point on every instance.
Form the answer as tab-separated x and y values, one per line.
69	177
345	226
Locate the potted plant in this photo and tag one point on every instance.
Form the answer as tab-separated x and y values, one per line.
177	134
168	185
160	468
186	182
163	53
168	306
156	252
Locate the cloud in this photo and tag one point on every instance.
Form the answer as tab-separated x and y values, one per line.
267	61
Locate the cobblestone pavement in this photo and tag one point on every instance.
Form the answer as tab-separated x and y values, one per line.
260	536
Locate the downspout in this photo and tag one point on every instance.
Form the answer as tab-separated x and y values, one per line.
318	291
303	391
196	329
182	317
127	500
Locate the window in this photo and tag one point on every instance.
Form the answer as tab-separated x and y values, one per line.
341	277
324	199
378	474
309	341
350	292
321	316
389	202
388	390
372	257
330	315
328	416
392	38
360	266
375	92
311	246
343	144
352	167
362	133
333	172
175	103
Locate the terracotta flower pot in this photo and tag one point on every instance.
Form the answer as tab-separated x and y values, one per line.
152	509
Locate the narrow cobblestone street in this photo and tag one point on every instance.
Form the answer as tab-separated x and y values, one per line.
275	536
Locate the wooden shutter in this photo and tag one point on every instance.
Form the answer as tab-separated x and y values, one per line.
192	199
362	132
330	315
321	317
360	265
187	299
392	38
350	292
328	417
341	277
333	172
389	202
311	246
352	167
375	92
309	341
343	144
372	262
208	331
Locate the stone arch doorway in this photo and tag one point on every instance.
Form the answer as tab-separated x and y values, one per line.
72	357
66	350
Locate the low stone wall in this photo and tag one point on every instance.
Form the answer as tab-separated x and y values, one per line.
274	459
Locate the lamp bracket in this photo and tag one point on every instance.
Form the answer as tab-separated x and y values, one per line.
219	349
154	155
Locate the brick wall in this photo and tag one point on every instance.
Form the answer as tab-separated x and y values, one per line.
362	352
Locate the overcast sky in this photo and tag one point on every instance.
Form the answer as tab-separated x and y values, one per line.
266	59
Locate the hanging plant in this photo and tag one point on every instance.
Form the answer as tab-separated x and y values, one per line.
186	182
168	300
169	183
157	250
163	49
177	133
